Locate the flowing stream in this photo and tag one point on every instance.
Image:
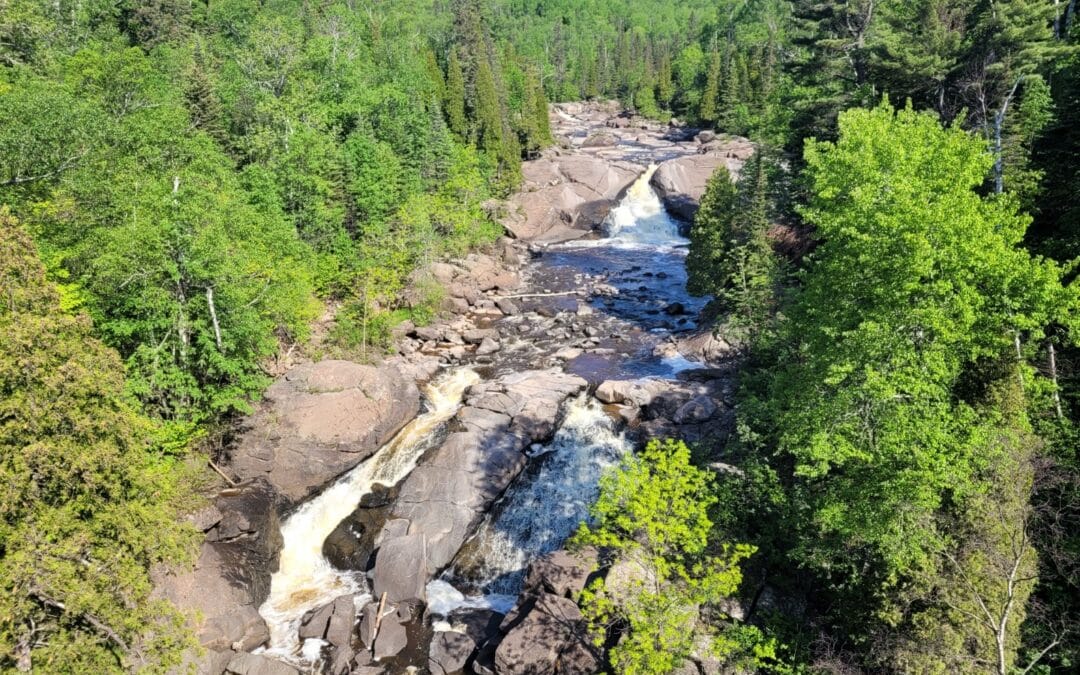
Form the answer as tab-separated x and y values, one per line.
305	579
643	254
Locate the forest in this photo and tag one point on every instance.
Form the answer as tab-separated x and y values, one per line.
188	186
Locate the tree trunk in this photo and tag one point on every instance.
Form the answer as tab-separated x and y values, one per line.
213	317
1054	378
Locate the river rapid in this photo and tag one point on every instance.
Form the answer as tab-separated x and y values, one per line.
641	255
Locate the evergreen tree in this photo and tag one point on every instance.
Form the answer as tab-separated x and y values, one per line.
454	103
665	85
203	103
710	236
88	506
710	96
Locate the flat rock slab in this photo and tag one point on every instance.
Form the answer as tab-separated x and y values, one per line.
680	182
321	420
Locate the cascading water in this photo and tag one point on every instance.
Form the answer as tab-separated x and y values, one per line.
538	513
305	580
640	219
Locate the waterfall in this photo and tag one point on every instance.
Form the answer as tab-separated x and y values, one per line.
640	219
305	580
540	510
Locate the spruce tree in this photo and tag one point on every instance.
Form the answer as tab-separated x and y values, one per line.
708	111
203	103
454	101
710	236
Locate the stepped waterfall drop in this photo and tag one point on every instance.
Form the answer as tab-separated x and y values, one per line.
305	579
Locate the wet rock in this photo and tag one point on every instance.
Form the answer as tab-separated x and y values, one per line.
320	420
401	569
480	624
488	346
449	652
561	573
351	544
255	664
696	410
675	309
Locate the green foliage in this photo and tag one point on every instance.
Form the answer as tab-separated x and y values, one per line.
88	506
653	514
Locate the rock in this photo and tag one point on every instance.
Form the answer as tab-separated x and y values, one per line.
205	518
392	638
507	306
342	621
449	652
314	623
488	346
680	182
599	140
568	353
533	646
231	577
706	346
561	573
696	410
639	393
564	198
480	624
255	664
705	137
451	488
429	333
401	569
352	543
675	309
322	419
477	335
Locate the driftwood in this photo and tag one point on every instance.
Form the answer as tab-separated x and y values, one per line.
378	621
536	295
221	473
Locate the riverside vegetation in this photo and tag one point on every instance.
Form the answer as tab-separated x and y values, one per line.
184	186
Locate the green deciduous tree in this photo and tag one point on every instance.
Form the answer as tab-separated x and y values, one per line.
653	513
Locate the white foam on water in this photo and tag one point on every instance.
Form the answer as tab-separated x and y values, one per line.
305	579
443	598
543	508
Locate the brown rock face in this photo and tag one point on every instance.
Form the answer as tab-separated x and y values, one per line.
321	420
680	183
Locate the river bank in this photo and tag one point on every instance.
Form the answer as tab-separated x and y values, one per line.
558	350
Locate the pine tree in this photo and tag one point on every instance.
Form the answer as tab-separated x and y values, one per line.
203	103
665	85
732	95
708	111
710	236
435	74
454	101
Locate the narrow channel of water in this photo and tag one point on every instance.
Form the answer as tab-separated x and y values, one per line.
305	579
643	254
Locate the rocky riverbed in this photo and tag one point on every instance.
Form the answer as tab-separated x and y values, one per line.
410	514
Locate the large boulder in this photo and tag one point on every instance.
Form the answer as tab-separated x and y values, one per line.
562	573
680	183
548	626
566	197
222	592
449	652
444	498
322	419
255	664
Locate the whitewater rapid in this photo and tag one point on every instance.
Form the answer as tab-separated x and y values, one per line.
305	579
